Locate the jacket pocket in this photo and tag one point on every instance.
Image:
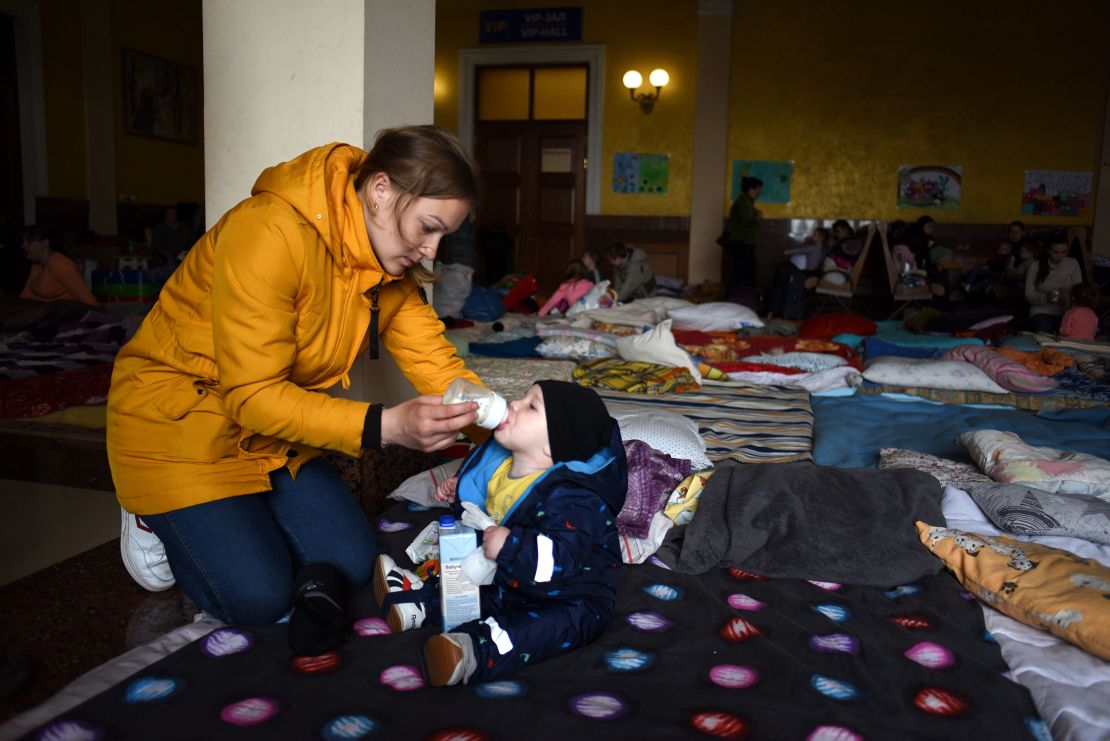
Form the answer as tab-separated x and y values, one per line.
182	398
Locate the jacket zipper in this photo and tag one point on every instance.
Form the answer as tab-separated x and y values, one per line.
374	319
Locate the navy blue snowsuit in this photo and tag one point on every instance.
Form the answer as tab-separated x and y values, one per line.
557	572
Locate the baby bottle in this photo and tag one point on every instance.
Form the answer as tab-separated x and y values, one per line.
492	407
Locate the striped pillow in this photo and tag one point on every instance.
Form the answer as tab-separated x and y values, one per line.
1007	373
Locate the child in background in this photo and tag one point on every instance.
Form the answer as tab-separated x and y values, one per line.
575	285
554	478
591	259
1080	322
633	276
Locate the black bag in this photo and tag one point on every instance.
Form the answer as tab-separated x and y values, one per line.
724	240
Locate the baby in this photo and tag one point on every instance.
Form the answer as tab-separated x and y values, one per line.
553	478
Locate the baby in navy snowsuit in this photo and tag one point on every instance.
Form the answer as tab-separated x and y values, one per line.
554	478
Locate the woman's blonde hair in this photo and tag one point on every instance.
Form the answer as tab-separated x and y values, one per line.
421	162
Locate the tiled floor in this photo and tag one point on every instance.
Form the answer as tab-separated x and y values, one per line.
44	524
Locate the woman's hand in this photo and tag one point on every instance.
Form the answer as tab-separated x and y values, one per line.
493	538
445	492
426	423
1052	296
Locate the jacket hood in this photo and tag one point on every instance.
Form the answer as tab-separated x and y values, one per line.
319	185
605	473
638	255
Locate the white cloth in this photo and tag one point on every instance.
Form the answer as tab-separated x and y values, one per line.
476	567
1069	686
657	345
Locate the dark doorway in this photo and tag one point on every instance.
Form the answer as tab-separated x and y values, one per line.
530	141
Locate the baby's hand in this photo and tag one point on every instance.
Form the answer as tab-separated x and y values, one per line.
493	538
445	492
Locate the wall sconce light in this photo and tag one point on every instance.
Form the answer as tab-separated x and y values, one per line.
633	79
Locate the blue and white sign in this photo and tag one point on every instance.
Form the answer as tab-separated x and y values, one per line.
530	24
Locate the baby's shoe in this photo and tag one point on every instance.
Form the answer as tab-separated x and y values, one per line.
406	616
449	658
389	578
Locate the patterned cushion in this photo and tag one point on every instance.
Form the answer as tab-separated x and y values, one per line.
1044	587
1006	458
810	362
1008	373
667	432
574	347
957	375
1027	511
948	472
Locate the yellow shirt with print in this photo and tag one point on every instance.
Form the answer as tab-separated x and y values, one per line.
503	490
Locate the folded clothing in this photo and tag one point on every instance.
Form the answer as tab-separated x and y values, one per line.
634	377
652	476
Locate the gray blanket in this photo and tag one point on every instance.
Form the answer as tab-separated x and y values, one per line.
801	520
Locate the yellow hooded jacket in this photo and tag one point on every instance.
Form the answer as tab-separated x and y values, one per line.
219	387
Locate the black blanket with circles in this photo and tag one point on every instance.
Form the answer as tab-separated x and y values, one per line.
725	654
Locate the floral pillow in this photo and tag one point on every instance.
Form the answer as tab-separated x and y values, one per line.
945	470
1047	588
1008	373
1008	459
953	375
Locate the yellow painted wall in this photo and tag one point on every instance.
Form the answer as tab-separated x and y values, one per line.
63	99
637	35
152	170
851	90
155	170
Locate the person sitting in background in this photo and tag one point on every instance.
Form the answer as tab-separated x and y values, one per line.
1048	286
994	272
1015	234
591	259
633	277
54	277
169	238
575	285
788	293
842	256
1080	322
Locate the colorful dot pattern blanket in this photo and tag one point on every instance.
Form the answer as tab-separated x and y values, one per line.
726	654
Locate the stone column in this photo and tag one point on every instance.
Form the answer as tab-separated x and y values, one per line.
100	114
1100	238
283	76
710	171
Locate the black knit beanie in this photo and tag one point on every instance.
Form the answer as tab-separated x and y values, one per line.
578	424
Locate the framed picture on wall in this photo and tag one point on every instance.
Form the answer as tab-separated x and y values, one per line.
159	98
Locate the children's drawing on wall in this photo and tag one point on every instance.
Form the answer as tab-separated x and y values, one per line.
1056	193
641	172
929	186
776	177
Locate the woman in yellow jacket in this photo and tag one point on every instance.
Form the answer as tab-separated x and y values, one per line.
217	412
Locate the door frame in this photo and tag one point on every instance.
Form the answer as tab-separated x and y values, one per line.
592	55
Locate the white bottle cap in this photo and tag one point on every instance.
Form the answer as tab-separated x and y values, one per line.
496	410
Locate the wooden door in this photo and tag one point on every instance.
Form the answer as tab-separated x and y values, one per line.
533	187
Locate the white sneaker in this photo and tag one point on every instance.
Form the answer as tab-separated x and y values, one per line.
406	616
389	577
144	555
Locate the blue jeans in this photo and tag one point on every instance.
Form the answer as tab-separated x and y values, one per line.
237	557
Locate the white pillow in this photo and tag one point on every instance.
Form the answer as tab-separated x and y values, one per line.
421	488
717	316
657	345
661	305
667	432
952	375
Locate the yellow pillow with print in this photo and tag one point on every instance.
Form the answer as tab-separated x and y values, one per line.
1047	588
